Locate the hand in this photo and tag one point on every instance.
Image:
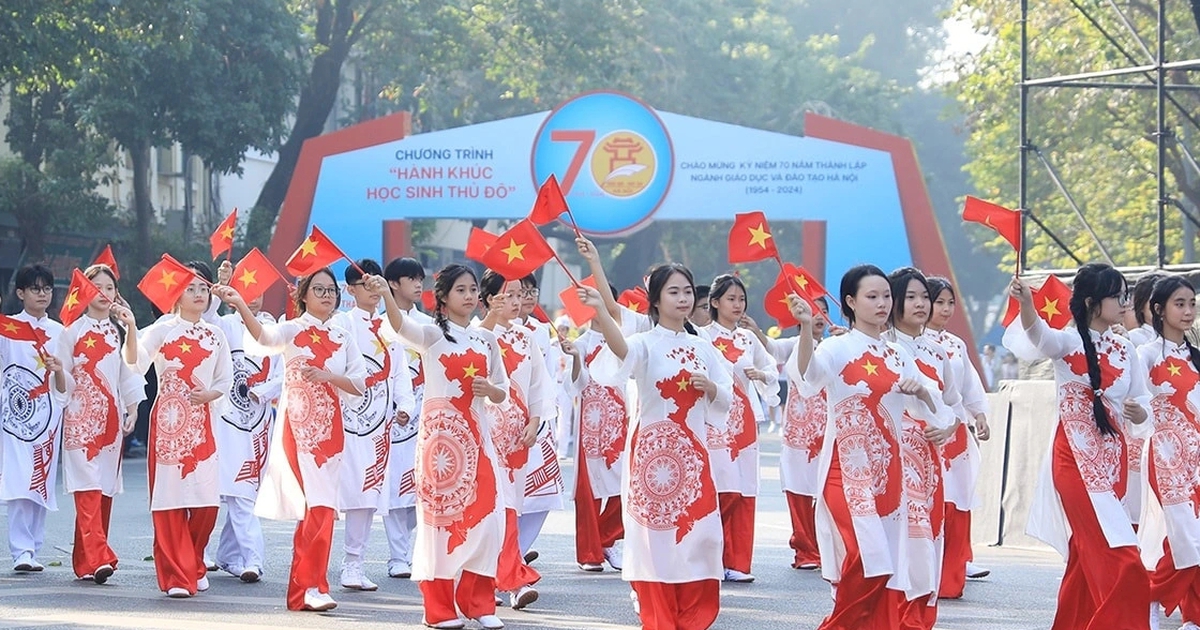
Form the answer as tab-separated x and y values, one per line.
748	323
755	374
529	435
376	285
911	387
940	436
224	272
130	421
568	348
203	396
482	387
590	296
253	397
229	295
315	375
402	419
1119	330
982	430
1019	290
1134	412
800	310
52	363
587	249
835	331
124	315
702	383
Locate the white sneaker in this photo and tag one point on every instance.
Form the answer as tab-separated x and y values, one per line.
202	584
103	572
523	597
975	571
591	567
178	593
353	578
26	564
449	624
613	557
318	601
490	622
250	575
232	570
738	576
399	569
637	606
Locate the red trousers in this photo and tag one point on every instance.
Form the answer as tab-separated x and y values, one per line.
917	614
1176	588
511	571
1102	587
737	521
93	511
957	552
596	529
179	540
475	595
310	555
687	606
860	603
804	529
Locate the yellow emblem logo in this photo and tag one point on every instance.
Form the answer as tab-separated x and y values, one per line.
623	164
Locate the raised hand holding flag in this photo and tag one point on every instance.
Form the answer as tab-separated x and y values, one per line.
79	295
222	238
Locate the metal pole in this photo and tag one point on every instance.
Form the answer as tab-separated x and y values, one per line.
1023	157
1161	134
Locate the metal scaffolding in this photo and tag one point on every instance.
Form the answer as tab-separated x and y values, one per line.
1155	78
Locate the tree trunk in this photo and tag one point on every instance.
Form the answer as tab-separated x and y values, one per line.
142	207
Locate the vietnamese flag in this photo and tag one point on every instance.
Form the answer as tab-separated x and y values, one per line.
106	258
1010	312
478	243
315	253
579	312
81	293
222	238
804	281
776	303
253	275
17	330
750	239
1052	301
518	252
635	299
550	203
165	283
429	301
539	314
1007	223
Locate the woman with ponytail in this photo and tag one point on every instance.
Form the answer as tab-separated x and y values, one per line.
1080	507
1170	531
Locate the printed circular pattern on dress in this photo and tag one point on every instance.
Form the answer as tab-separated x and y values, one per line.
507	429
863	454
243	414
447	463
666	475
803	420
25	419
179	425
602	421
1097	458
310	409
920	479
371	409
400	433
1175	447
86	412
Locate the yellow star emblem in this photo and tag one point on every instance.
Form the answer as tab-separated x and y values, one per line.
72	299
683	383
10	327
185	347
1174	369
1050	308
248	277
871	368
227	233
722	347
759	236
503	351
41	363
315	337
89	342
514	251
379	347
470	371
168	280
308	248
801	282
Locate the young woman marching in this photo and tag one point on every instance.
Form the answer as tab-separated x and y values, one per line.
862	512
37	388
460	512
734	451
1102	396
323	373
194	369
923	488
517	420
960	454
406	279
673	534
243	441
1170	531
1138	318
102	411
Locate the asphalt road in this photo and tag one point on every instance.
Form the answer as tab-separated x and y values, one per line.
1019	595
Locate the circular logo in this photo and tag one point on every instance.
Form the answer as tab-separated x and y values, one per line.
87	414
666	476
613	159
446	463
311	412
179	425
242	413
370	409
25	419
601	423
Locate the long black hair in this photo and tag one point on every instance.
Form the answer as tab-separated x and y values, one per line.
720	286
490	286
899	281
1142	289
849	287
443	282
1164	288
658	281
1093	283
937	285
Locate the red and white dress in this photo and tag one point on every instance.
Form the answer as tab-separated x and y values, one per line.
803	434
1079	504
673	533
243	434
530	394
1137	444
1170	527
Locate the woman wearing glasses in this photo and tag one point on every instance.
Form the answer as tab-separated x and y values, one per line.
323	370
1080	507
194	369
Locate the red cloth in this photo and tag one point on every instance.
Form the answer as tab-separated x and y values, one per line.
860	603
511	571
737	523
917	614
957	553
1176	588
1102	587
310	555
804	529
686	606
93	511
179	540
595	528
475	595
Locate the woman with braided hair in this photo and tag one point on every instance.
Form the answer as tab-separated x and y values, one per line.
1080	507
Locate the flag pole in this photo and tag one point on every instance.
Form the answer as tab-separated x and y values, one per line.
800	292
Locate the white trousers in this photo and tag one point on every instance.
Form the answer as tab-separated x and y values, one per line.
529	525
26	527
241	545
358	532
400	525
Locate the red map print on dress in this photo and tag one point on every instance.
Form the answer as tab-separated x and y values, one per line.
463	369
261	376
602	423
90	420
512	358
728	349
192	420
386	369
316	340
872	371
931	372
1109	373
1175	445
679	390
804	422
